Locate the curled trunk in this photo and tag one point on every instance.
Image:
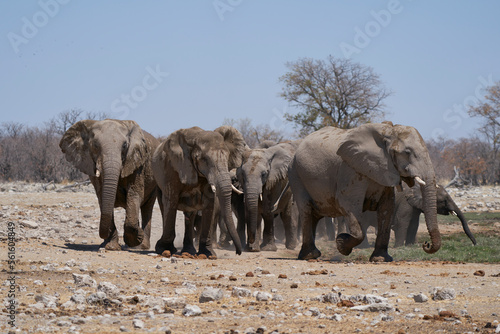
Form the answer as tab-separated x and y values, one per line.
224	191
111	175
430	212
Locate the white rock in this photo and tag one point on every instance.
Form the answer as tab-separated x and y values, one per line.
109	289
211	294
139	324
377	307
241	292
28	224
84	280
439	293
191	311
420	298
263	296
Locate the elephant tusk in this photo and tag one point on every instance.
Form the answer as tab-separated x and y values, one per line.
213	188
453	213
419	181
97	173
236	190
260	196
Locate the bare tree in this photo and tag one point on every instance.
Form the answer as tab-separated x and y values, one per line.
489	111
336	92
255	134
65	119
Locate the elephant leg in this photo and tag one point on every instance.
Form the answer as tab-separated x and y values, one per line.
268	241
255	246
290	226
146	216
330	228
309	223
188	244
411	233
385	211
133	235
111	243
224	237
207	220
347	241
169	213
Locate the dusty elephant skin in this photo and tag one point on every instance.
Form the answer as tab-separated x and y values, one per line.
192	170
264	177
339	172
116	155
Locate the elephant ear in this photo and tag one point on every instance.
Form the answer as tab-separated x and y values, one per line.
414	196
366	150
179	154
280	161
75	146
235	143
138	150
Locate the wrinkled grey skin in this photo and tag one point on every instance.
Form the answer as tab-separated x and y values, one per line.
264	174
408	210
339	172
188	166
408	207
116	155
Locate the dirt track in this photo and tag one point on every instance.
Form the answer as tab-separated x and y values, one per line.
58	238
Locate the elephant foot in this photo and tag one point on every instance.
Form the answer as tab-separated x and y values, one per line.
309	252
111	245
345	243
291	245
380	256
163	246
252	248
224	244
188	249
268	247
205	251
132	235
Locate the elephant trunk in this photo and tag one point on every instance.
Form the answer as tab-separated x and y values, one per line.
464	224
111	174
430	212
224	192
252	213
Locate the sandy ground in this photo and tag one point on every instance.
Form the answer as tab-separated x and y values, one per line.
57	240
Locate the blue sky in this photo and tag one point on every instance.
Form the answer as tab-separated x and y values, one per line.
176	64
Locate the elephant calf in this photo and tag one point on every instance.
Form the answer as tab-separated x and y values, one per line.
116	155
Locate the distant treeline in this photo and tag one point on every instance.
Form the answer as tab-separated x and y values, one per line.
33	153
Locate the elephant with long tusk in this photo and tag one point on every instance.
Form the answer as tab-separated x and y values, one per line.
338	172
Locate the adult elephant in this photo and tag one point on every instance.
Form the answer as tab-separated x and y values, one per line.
116	155
338	172
192	170
409	206
263	176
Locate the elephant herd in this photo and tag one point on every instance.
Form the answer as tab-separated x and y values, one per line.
375	174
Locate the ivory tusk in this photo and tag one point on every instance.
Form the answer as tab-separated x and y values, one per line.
260	196
213	188
97	173
453	213
419	181
236	190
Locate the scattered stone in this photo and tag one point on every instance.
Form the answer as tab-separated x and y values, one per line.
109	289
138	324
377	307
439	293
345	303
263	296
329	298
282	276
28	224
420	298
278	298
191	311
96	298
211	294
294	286
479	273
46	300
233	278
257	285
175	303
249	274
241	292
84	280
